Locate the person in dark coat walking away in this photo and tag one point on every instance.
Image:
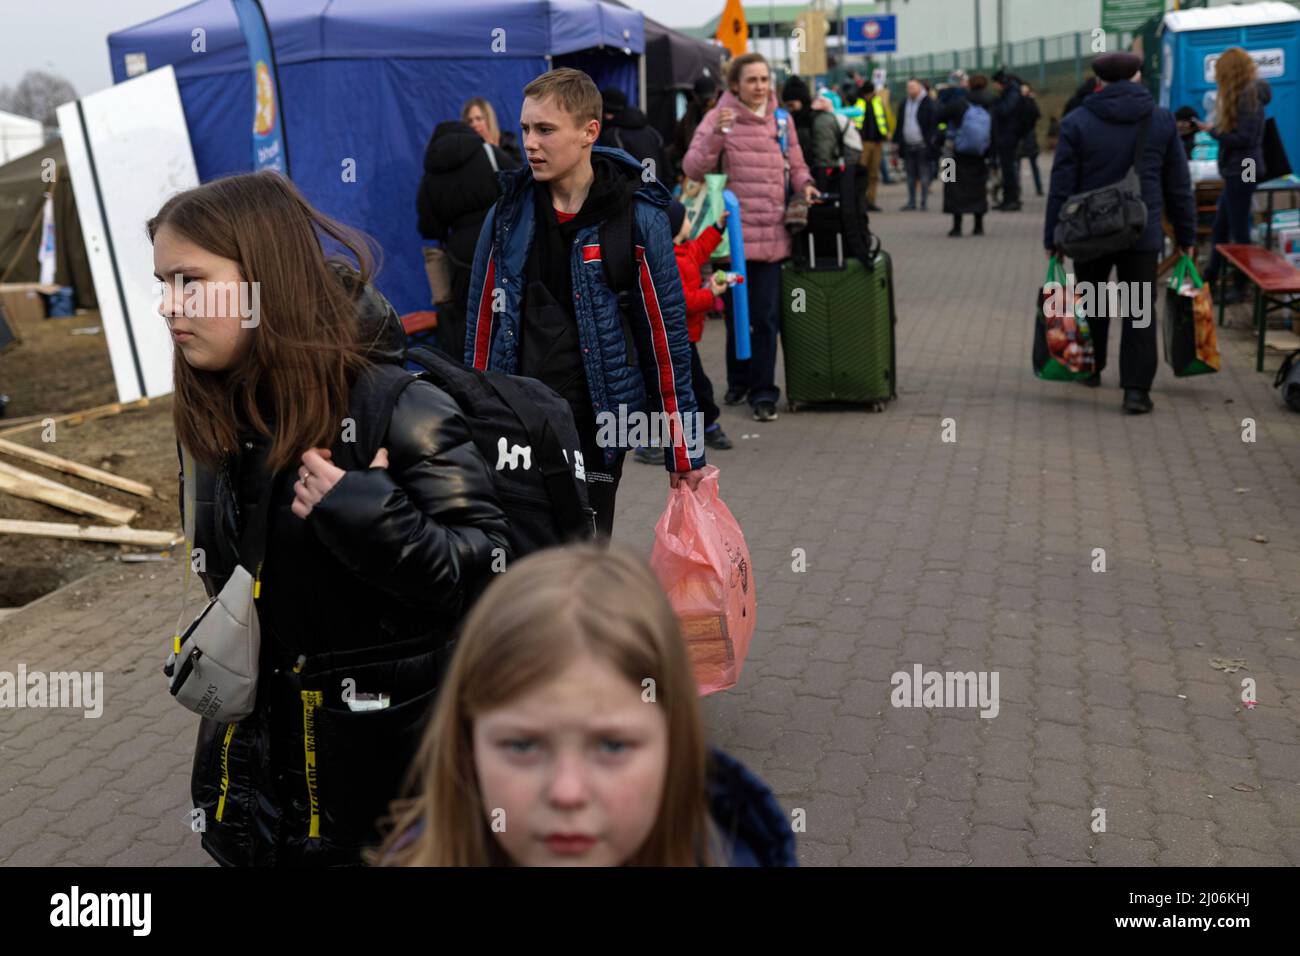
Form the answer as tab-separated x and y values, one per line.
1029	115
625	127
965	189
543	750
367	565
1006	137
457	189
1239	129
1096	149
913	134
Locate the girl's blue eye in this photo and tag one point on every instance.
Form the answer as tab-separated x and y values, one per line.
613	746
520	746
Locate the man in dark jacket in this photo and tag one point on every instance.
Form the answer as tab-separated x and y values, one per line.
1096	149
625	127
541	304
1006	137
457	189
914	133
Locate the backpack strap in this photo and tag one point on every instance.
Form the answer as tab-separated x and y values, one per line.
618	259
1143	124
374	395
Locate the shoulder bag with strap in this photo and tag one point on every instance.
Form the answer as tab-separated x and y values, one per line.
1110	219
213	665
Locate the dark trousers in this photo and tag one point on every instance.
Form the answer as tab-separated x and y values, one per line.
1231	220
916	160
1033	168
757	373
1010	175
979	221
1137	346
703	389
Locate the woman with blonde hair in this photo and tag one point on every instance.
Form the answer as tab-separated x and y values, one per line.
568	732
1239	128
482	118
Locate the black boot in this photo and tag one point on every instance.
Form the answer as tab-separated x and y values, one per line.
1137	401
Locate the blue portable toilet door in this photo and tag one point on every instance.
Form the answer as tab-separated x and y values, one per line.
1276	50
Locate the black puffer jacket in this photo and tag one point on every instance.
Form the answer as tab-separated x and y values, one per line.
458	188
367	589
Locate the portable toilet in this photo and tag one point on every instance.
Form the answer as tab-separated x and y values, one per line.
1269	32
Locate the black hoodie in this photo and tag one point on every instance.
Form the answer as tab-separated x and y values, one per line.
458	188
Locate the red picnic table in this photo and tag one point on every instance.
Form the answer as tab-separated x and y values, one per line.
1275	281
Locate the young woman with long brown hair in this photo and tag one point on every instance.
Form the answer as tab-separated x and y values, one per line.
1239	128
568	732
366	566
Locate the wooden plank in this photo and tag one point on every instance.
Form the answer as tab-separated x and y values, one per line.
54	529
75	468
76	418
24	484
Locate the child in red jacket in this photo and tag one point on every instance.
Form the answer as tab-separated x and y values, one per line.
691	255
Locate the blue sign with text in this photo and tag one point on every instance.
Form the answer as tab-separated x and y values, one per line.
874	34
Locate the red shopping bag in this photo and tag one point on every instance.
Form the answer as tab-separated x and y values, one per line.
702	562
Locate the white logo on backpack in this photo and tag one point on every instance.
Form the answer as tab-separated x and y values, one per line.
513	455
579	470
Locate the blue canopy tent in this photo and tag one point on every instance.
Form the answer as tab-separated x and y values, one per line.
367	81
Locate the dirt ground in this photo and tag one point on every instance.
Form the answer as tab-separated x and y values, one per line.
53	371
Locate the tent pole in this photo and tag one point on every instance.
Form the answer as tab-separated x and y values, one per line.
640	80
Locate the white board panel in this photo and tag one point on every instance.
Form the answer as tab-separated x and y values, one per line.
128	151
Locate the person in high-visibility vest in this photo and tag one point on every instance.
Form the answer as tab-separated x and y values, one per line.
875	133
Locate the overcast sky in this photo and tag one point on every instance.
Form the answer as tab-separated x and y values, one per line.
69	37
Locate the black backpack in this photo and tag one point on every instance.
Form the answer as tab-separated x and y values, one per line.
522	428
837	227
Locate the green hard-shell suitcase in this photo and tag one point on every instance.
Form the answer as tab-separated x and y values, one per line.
837	333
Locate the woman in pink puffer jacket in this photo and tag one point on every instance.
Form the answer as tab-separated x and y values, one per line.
750	155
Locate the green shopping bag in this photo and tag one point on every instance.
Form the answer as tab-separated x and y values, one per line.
704	206
1062	340
1191	341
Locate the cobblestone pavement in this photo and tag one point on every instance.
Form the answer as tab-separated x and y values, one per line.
968	555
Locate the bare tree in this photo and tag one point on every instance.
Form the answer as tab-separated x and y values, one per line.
37	95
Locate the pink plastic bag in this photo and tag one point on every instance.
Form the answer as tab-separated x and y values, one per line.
703	563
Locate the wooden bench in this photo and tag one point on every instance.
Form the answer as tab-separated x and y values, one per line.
420	326
1275	281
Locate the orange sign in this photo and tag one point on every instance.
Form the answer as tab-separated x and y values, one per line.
733	31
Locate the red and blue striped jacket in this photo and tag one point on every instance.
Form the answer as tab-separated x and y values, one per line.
659	378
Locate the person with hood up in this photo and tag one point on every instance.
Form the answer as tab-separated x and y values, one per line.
541	303
543	749
819	135
764	164
625	127
366	566
1096	149
457	189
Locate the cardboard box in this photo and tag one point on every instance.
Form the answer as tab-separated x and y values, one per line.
1288	246
22	303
